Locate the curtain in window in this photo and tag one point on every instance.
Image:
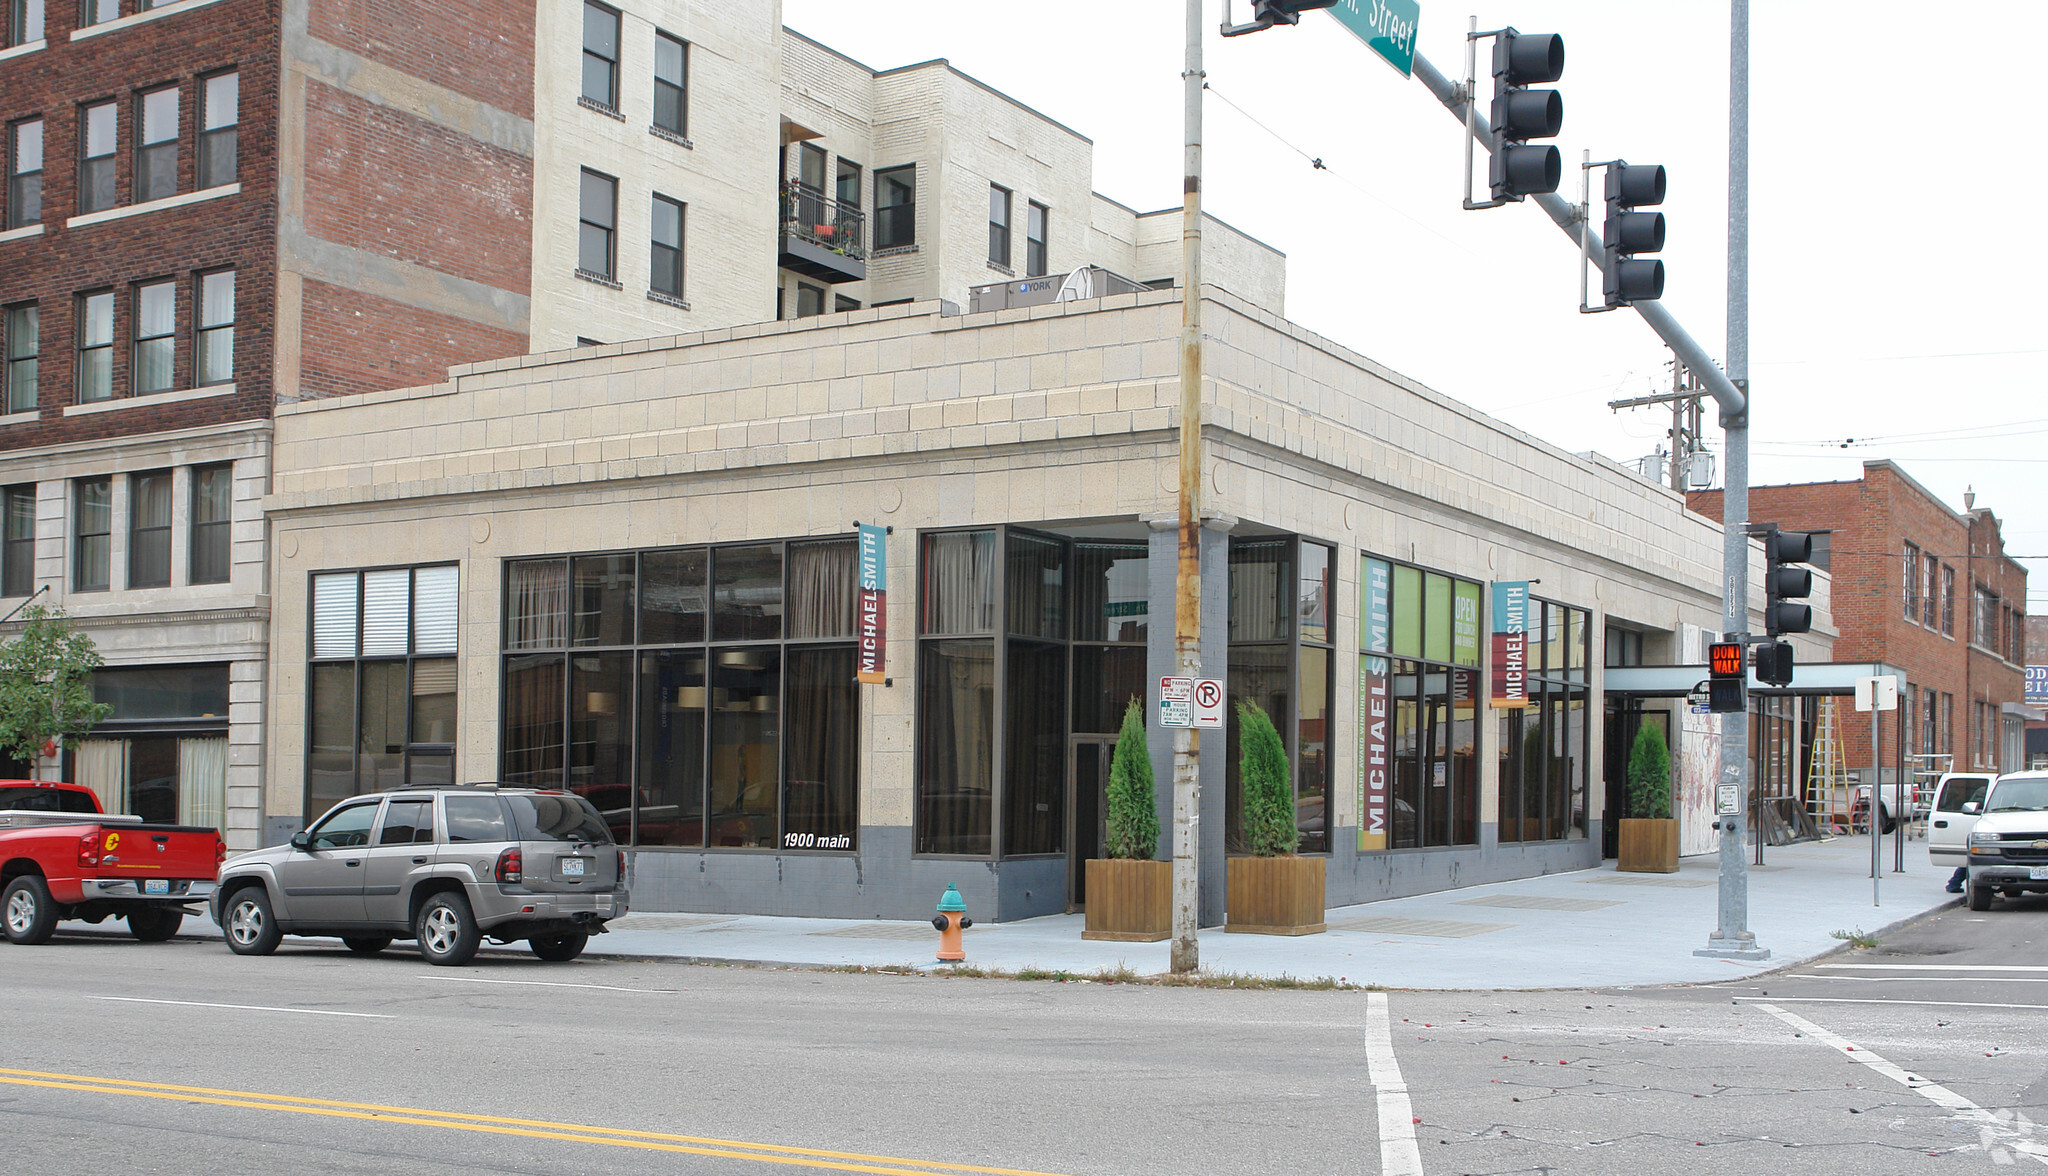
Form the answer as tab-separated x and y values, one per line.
534	720
956	737
823	579
202	782
539	605
821	750
102	765
959	582
1036	587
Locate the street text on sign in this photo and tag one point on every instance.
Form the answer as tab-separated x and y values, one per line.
1386	26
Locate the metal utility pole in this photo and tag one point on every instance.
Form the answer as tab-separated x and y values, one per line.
1732	937
1187	584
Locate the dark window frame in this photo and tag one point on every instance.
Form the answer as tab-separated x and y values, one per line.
208	334
98	12
90	350
165	340
209	560
896	223
22	363
153	570
92	550
150	154
17	544
216	149
1002	210
594	57
25	184
97	180
666	261
1037	222
19	23
609	228
677	90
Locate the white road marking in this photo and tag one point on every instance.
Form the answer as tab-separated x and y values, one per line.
1913	979
1996	1131
201	1004
550	984
1945	1004
1930	967
1398	1154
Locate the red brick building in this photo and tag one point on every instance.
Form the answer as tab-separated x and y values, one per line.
1919	586
208	208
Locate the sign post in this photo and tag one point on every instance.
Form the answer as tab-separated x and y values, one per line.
1876	695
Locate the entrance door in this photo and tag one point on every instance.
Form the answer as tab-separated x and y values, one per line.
1085	835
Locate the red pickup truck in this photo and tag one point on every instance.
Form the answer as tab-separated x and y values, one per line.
62	858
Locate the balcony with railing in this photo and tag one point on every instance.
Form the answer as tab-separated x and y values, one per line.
822	238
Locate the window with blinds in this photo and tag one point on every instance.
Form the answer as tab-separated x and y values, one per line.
383	683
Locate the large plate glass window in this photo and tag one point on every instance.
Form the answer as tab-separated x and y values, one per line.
1418	692
382	683
1544	745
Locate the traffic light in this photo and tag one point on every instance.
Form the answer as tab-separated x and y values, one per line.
1774	663
1628	232
1267	13
1784	585
1520	168
1727	678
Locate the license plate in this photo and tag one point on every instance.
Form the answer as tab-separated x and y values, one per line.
2037	873
156	886
573	867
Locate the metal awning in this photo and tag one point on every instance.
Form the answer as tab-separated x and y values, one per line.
1807	678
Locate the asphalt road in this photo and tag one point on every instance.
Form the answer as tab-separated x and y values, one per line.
1922	1055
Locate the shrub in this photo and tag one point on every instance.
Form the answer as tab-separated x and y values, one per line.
1268	794
1131	810
1649	775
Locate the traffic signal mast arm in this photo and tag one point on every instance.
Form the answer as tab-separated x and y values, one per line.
1734	404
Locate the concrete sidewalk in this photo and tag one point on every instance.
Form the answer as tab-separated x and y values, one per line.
1590	928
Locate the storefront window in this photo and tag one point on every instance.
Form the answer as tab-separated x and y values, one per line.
674	731
1543	746
1418	733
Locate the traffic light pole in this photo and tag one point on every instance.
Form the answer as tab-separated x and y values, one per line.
1732	937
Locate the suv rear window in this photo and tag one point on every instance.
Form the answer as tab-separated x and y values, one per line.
45	800
557	817
474	818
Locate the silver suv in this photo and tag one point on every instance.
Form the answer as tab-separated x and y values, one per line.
447	867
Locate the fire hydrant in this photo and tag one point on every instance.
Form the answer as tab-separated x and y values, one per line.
951	921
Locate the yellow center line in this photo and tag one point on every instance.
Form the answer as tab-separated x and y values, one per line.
766	1153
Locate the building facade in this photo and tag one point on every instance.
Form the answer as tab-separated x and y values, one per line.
1928	589
632	571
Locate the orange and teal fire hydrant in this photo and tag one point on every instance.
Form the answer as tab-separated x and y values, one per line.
951	921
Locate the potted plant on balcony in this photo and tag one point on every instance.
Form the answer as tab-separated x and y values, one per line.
1649	834
1129	893
1273	891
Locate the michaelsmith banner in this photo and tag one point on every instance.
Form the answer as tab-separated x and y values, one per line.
1510	643
871	608
1372	709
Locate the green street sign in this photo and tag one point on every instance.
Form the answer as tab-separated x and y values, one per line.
1386	26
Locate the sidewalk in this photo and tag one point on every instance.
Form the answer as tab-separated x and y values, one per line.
1590	928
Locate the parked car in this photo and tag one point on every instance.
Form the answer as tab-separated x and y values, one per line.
1958	799
1896	800
444	867
2009	847
62	858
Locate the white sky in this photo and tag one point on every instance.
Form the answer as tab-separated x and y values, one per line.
1896	280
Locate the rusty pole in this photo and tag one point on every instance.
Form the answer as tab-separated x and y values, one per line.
1187	585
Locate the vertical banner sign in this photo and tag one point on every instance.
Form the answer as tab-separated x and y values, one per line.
1510	643
1372	710
870	609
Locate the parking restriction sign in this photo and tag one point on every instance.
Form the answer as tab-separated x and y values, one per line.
1176	708
1208	702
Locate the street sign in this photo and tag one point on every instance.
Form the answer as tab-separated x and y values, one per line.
1699	699
1176	702
1879	693
1208	702
1386	26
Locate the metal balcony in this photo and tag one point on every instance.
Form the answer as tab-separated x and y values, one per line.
822	238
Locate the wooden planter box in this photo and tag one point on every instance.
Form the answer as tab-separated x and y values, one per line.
1129	899
1274	895
1648	846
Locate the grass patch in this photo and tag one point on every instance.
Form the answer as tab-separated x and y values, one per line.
1856	938
1121	974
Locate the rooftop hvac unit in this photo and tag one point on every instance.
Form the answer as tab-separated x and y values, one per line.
1090	281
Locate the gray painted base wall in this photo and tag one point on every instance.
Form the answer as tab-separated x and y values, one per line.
1355	877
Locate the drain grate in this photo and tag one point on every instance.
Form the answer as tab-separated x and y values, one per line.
1640	880
667	922
910	932
1531	902
1435	928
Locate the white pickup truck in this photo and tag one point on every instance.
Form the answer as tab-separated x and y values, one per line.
1895	801
2008	848
1958	801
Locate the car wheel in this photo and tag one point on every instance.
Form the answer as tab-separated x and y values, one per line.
1979	896
366	944
155	926
251	929
31	915
447	931
558	949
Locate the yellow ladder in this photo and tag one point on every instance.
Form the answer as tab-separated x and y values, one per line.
1828	792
